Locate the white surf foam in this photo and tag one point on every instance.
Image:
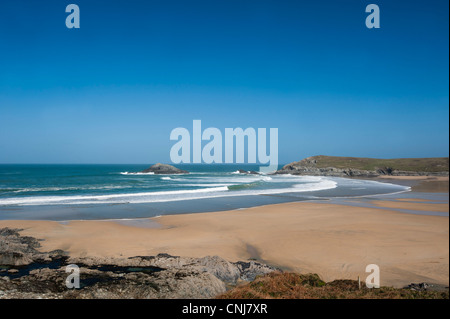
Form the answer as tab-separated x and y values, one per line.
211	187
218	190
206	185
113	198
56	189
137	173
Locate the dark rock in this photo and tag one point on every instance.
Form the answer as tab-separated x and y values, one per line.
423	286
249	271
16	250
384	171
164	169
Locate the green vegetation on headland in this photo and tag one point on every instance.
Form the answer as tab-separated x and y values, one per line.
433	164
284	285
369	167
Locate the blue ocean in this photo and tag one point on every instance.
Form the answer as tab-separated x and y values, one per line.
67	192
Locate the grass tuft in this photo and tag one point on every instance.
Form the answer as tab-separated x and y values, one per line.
285	285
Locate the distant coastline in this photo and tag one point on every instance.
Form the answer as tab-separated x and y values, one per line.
367	167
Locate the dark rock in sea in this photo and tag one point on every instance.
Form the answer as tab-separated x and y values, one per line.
164	169
160	276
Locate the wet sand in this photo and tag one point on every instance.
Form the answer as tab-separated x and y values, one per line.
426	184
335	241
412	206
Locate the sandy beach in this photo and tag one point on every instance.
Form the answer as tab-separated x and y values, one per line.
334	241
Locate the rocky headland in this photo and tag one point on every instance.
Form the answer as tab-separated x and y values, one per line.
366	167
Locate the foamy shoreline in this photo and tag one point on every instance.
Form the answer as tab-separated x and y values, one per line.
209	197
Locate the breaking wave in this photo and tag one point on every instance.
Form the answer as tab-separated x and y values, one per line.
209	191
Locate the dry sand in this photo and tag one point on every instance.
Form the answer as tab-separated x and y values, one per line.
335	241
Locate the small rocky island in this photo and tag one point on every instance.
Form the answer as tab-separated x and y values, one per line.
164	169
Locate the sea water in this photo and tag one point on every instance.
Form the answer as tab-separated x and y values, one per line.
65	192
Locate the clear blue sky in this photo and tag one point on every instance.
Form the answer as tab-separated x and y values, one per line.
112	91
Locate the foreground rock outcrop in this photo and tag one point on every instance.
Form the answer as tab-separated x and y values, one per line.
16	250
366	167
27	273
164	169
